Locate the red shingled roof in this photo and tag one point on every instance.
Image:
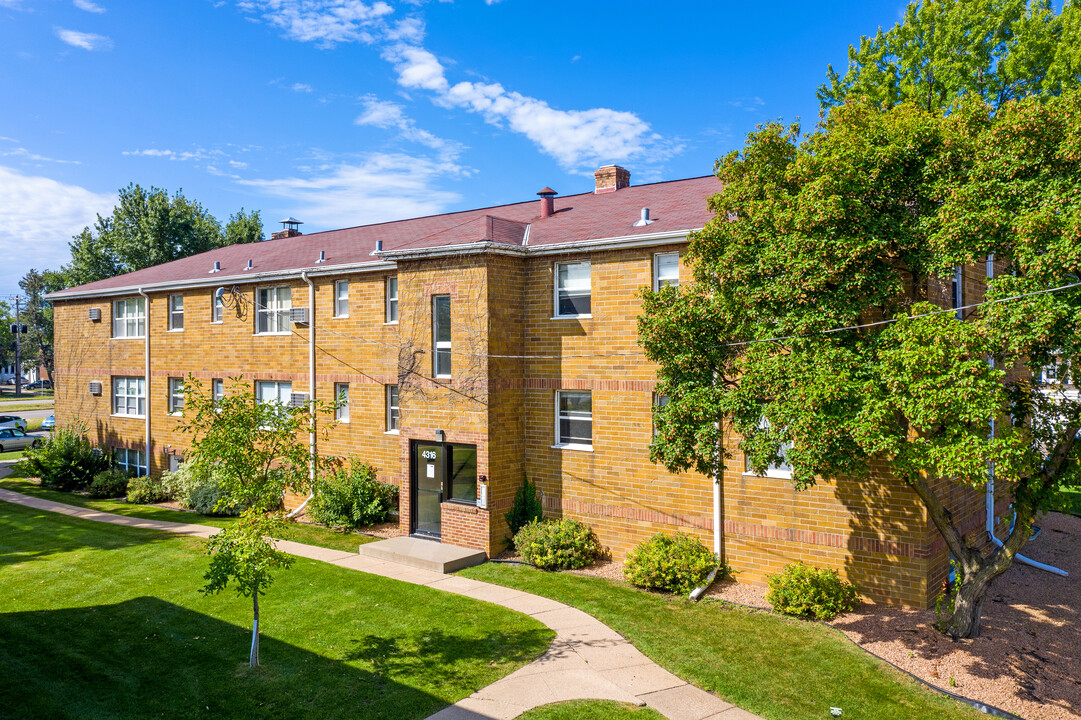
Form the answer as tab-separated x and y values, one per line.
675	206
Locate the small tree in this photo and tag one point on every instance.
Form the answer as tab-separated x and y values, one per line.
258	451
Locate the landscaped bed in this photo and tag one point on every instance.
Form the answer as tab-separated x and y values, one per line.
101	621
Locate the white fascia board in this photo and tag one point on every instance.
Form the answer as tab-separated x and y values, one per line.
251	278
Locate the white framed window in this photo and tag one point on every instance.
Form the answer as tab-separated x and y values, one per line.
957	290
272	392
573	289
393	411
130	461
341	397
665	270
392	299
272	307
129	396
176	396
779	469
217	308
341	299
176	312
217	390
129	318
659	402
441	335
574	419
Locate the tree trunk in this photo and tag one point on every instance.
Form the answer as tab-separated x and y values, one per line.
254	659
968	605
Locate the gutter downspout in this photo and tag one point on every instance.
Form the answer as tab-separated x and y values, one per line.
311	394
146	375
718	477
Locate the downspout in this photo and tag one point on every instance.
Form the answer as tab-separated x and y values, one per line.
990	494
146	375
311	394
718	477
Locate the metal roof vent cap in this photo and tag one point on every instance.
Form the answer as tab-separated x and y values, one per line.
249	264
378	248
547	196
322	257
644	220
217	267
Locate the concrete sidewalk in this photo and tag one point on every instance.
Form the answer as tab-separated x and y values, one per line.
587	659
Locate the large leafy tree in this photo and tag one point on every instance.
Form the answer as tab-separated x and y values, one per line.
943	49
38	316
811	327
149	227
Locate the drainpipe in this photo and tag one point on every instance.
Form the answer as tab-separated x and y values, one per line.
311	393
718	477
146	375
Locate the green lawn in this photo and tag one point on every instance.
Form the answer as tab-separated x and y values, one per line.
591	710
776	667
1068	500
100	621
20	405
298	532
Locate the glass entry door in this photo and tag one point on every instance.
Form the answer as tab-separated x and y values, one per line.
427	489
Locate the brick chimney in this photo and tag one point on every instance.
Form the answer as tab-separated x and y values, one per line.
548	203
290	228
611	178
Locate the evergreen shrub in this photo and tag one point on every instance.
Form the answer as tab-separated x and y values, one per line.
558	544
806	591
677	563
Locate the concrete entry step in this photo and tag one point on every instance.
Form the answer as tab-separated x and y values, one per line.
425	554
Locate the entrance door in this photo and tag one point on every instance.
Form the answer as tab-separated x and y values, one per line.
427	489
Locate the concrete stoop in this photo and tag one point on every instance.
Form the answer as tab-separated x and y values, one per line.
424	554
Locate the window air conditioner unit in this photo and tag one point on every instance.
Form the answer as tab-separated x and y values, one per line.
95	387
95	314
299	315
298	399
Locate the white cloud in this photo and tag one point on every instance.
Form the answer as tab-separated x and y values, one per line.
386	114
327	22
301	87
34	157
382	187
748	104
180	155
40	216
380	113
88	6
86	41
12	4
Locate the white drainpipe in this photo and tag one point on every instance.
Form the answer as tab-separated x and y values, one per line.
146	375
718	478
311	393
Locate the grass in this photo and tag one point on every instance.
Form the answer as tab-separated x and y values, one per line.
99	621
591	710
1068	500
297	532
776	667
14	406
11	455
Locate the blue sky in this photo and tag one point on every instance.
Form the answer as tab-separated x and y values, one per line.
341	112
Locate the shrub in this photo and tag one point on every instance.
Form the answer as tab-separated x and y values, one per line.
66	461
109	484
677	563
352	498
807	591
551	544
526	508
145	490
198	490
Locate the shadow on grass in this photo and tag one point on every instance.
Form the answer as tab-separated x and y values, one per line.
149	658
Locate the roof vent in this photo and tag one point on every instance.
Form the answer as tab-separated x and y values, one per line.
322	257
644	220
290	228
548	203
378	247
249	264
217	267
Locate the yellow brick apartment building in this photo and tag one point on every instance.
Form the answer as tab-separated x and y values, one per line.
474	348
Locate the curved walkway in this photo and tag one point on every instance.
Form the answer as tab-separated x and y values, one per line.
587	659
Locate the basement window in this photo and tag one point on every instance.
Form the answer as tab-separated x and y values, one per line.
133	462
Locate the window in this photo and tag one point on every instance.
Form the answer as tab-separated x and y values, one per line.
176	396
441	335
665	270
462	475
573	289
341	395
574	419
176	312
958	292
341	299
779	469
217	389
392	299
393	411
659	402
129	396
132	462
129	318
272	310
217	307
273	392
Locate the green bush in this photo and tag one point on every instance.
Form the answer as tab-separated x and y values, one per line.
146	490
198	490
677	563
352	498
526	508
807	591
65	461
109	484
551	544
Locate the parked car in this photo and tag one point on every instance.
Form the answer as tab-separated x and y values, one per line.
48	423
40	385
15	439
11	421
